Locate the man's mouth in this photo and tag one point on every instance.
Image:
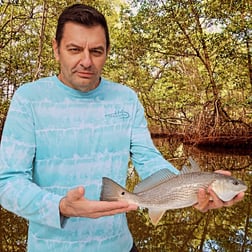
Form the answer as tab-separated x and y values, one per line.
85	74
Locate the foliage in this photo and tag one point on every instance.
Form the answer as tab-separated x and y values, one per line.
176	55
4	105
179	56
183	52
13	232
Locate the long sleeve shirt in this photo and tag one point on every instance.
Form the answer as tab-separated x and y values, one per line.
56	138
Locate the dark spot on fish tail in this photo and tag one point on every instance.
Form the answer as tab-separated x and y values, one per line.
122	193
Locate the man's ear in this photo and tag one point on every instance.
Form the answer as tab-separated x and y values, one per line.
55	49
108	51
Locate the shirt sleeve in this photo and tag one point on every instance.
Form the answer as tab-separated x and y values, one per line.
18	193
145	156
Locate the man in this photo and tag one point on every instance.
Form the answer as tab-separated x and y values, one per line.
64	133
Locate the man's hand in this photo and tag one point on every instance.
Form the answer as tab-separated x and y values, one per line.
74	204
209	200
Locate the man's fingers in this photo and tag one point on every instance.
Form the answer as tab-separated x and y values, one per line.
75	204
239	197
216	201
203	200
210	200
224	172
110	206
236	199
112	211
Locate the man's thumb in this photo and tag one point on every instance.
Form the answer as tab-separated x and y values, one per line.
76	193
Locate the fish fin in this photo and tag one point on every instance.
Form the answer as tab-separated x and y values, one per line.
193	168
111	191
185	169
156	215
153	180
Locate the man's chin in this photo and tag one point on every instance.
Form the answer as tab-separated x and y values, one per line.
86	86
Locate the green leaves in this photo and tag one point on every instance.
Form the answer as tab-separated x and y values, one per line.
173	53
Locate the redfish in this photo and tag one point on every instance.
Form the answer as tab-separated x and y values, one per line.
163	190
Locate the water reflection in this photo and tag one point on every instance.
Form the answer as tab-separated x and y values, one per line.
223	230
226	229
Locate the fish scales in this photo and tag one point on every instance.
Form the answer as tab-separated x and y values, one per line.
163	191
181	191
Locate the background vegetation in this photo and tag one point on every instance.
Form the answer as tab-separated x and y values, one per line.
188	60
182	57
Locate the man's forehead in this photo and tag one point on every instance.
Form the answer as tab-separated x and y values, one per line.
78	33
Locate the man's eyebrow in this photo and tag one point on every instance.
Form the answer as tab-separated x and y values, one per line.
100	48
72	45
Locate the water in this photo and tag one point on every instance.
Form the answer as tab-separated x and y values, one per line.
223	230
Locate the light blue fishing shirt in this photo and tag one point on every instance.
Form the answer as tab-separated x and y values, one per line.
56	138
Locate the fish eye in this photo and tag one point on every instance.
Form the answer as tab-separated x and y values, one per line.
122	193
235	182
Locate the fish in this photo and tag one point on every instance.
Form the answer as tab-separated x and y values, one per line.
164	190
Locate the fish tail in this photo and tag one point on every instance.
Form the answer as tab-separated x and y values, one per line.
111	191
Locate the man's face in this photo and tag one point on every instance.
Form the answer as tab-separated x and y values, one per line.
82	54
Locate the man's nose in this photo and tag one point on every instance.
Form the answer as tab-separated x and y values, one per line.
86	60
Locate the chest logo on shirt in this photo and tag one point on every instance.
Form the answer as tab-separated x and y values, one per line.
120	114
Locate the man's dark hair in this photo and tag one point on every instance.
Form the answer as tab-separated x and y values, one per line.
81	14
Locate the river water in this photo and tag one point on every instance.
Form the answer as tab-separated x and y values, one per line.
223	230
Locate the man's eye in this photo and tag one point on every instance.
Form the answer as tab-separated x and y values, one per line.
97	52
74	49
